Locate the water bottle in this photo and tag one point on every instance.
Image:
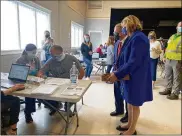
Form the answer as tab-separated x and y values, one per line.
74	74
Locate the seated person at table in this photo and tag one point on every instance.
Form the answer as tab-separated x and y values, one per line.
12	104
59	67
99	50
28	57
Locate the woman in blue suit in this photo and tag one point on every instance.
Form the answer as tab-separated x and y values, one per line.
135	62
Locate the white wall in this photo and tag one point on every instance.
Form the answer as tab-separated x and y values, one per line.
61	16
107	5
99	19
98	25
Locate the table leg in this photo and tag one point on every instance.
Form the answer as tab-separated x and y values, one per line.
75	110
82	101
68	115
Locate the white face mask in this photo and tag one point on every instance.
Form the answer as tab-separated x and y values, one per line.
31	54
59	57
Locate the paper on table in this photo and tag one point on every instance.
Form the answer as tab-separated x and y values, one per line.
45	89
73	91
57	81
35	79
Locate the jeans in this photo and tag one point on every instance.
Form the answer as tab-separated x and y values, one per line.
153	64
109	67
12	103
29	105
89	67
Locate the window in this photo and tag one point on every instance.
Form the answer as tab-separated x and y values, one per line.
22	24
9	26
76	35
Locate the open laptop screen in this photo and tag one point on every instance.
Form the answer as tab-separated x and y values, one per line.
19	72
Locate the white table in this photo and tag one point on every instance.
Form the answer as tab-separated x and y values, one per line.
102	62
57	96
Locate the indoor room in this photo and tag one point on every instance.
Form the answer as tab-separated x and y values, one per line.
97	67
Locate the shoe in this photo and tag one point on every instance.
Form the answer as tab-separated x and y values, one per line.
173	97
124	119
114	113
135	133
11	132
165	92
28	117
52	112
119	128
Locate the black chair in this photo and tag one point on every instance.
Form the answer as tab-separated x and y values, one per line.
5	118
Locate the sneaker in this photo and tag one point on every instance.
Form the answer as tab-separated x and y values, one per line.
165	92
173	97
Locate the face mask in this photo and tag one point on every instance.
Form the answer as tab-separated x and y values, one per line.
124	31
58	57
47	35
87	40
150	37
179	29
31	54
116	36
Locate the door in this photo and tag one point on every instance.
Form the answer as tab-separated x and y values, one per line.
95	38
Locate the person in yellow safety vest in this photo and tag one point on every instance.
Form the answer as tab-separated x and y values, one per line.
173	65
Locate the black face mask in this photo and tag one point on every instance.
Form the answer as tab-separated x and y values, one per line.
116	36
47	36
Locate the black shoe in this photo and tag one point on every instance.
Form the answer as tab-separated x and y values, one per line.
165	92
135	133
114	113
124	119
119	128
52	112
28	117
173	97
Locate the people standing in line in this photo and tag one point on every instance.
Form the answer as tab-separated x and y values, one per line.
135	63
173	65
86	50
12	104
28	57
155	51
110	53
119	100
47	43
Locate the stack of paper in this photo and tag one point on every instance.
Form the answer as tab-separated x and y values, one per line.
35	79
58	81
73	91
45	89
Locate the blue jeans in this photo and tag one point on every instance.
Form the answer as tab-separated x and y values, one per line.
109	67
153	64
89	67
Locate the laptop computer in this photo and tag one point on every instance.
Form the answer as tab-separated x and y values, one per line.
18	74
95	56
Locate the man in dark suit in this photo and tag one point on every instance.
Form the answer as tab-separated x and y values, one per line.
120	40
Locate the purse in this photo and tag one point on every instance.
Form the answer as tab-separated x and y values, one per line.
105	77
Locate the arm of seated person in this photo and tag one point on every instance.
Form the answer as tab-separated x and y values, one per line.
81	73
13	89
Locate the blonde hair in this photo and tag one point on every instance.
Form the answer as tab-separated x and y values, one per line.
110	41
132	23
118	25
153	34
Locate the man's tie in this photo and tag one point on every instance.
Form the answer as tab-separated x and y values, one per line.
119	48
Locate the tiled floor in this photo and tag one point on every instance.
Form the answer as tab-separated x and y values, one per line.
161	116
